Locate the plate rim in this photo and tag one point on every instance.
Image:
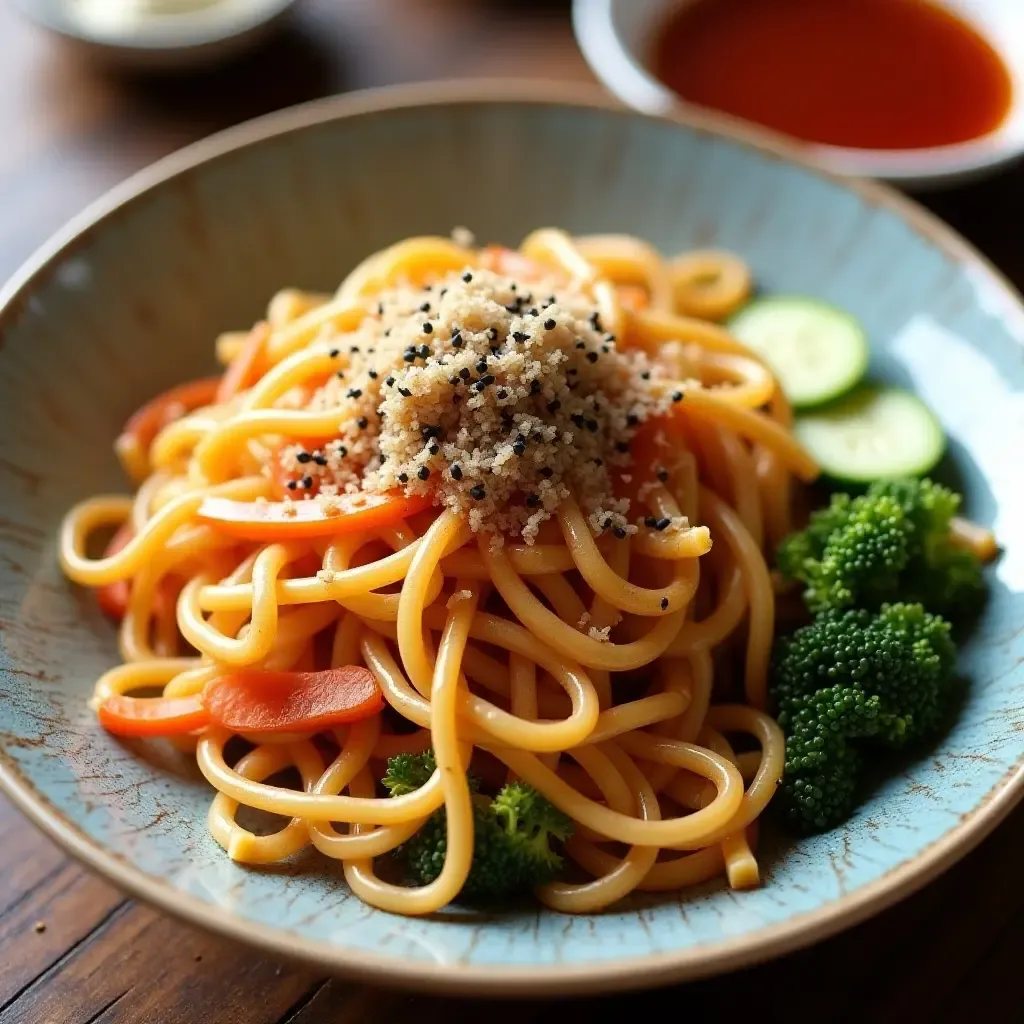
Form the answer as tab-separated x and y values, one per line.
457	977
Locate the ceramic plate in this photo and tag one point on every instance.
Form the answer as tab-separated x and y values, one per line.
128	300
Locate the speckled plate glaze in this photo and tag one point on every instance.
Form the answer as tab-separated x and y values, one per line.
128	300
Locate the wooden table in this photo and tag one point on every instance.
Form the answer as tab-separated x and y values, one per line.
72	948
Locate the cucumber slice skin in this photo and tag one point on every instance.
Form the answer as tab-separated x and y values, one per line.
904	440
841	346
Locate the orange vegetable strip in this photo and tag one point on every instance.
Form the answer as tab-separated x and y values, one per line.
253	701
248	366
284	521
152	716
132	444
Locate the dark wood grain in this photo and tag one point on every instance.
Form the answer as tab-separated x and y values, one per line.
72	949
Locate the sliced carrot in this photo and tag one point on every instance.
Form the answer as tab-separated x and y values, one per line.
511	263
152	716
284	521
248	366
634	297
653	448
132	444
113	597
255	701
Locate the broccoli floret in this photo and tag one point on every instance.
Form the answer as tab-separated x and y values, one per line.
511	835
850	678
407	772
891	543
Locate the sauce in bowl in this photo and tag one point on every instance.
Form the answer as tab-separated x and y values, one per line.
865	74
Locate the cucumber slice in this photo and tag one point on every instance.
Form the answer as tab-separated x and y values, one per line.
873	434
816	351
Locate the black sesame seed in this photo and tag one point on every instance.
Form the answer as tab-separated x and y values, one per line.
580	343
320	460
292	484
512	307
549	324
650	522
512	286
423	473
646	375
370	351
425	307
372	374
554	405
456	471
534	311
478	492
519	336
428	327
467	277
619	532
409	355
334	353
354	393
380	309
578	419
663	475
663	524
342	451
592	357
534	387
429	430
362	422
488	380
307	482
303	457
519	448
677	396
547	472
454	381
464	373
353	349
433	449
492	333
632	420
595	320
405	392
403	478
457	341
502	394
592	426
622	446
340	375
606	522
532	500
664	604
609	338
481	366
605	349
424	350
389	381
387	332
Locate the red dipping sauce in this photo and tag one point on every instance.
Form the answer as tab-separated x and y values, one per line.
866	74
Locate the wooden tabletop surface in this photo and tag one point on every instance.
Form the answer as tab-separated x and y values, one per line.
72	948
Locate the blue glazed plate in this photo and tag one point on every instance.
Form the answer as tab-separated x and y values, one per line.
128	300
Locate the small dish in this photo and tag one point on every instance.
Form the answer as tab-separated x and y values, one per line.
616	36
167	41
125	301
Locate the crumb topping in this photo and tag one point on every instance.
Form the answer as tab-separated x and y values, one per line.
497	398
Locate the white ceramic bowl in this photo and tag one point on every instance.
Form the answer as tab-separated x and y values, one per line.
617	35
172	42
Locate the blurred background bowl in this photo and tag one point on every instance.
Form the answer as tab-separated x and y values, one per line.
617	37
190	39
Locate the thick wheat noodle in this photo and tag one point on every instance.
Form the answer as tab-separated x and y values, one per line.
514	650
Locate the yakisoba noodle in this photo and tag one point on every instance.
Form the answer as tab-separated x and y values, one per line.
590	643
